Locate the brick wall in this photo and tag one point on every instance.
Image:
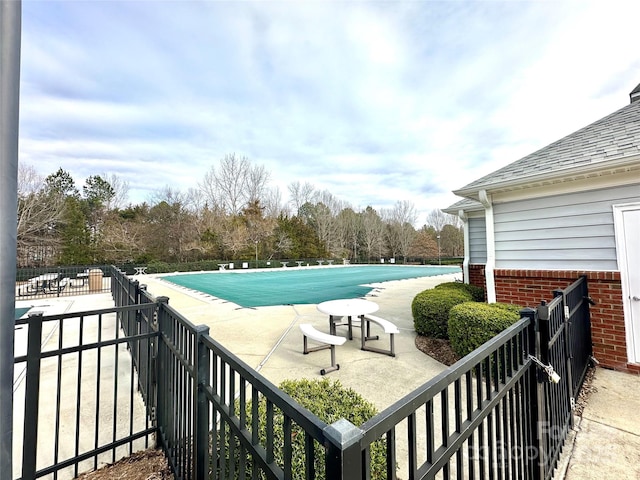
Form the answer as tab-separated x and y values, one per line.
529	287
476	276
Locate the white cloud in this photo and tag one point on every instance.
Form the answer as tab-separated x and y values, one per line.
374	101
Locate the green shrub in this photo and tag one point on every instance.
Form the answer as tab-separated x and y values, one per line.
471	324
477	293
430	310
330	401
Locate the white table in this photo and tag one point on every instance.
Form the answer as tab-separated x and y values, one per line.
350	307
140	270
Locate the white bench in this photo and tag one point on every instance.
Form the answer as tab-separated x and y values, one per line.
388	327
327	341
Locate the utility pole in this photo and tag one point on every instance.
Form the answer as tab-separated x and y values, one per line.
10	29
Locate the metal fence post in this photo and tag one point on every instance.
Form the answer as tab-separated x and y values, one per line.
162	365
32	396
568	354
536	464
201	406
542	352
343	458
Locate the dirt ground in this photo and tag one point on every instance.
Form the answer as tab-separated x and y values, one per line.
152	465
149	464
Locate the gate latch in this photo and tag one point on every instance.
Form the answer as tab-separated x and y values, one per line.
548	369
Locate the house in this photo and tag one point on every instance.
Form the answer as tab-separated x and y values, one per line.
569	209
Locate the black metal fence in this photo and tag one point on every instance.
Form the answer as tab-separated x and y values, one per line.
497	413
76	404
62	281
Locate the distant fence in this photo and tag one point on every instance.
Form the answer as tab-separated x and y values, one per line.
62	281
494	414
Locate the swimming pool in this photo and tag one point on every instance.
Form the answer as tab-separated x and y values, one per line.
295	286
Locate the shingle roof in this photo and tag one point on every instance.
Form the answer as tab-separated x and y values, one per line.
615	137
464	204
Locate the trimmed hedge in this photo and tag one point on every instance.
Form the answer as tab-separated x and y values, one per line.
471	324
430	310
330	401
477	293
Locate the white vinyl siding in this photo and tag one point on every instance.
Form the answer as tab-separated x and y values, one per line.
562	232
477	240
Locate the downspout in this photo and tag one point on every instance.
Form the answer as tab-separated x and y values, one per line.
465	229
491	246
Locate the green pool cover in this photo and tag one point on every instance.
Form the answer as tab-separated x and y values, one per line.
295	286
21	311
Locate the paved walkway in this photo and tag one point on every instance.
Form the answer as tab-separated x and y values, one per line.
606	441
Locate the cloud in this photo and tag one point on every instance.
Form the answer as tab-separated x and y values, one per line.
377	102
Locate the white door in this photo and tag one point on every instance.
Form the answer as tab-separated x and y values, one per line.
627	223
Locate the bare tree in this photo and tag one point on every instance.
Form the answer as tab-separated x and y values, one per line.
39	211
234	184
327	208
272	203
231	182
372	237
300	194
401	230
437	219
120	191
350	226
256	184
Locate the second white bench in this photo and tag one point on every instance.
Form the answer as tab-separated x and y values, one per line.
388	328
326	340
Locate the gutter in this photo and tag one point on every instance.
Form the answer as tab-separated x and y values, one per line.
626	163
465	229
491	246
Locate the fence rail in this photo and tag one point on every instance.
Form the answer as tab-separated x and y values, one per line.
494	414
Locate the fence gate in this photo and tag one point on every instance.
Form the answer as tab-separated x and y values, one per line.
565	330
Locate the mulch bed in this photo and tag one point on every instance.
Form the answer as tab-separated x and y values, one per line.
437	349
148	464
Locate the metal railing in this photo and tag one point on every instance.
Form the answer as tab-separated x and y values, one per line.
494	414
76	404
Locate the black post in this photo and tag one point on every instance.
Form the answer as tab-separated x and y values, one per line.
201	407
542	352
162	365
536	463
32	396
568	354
343	458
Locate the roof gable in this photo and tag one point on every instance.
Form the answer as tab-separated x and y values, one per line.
612	139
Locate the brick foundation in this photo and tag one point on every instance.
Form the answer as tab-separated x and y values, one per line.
529	287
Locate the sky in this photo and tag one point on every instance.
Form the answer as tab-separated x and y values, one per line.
375	102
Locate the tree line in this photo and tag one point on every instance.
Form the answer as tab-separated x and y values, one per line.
232	214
